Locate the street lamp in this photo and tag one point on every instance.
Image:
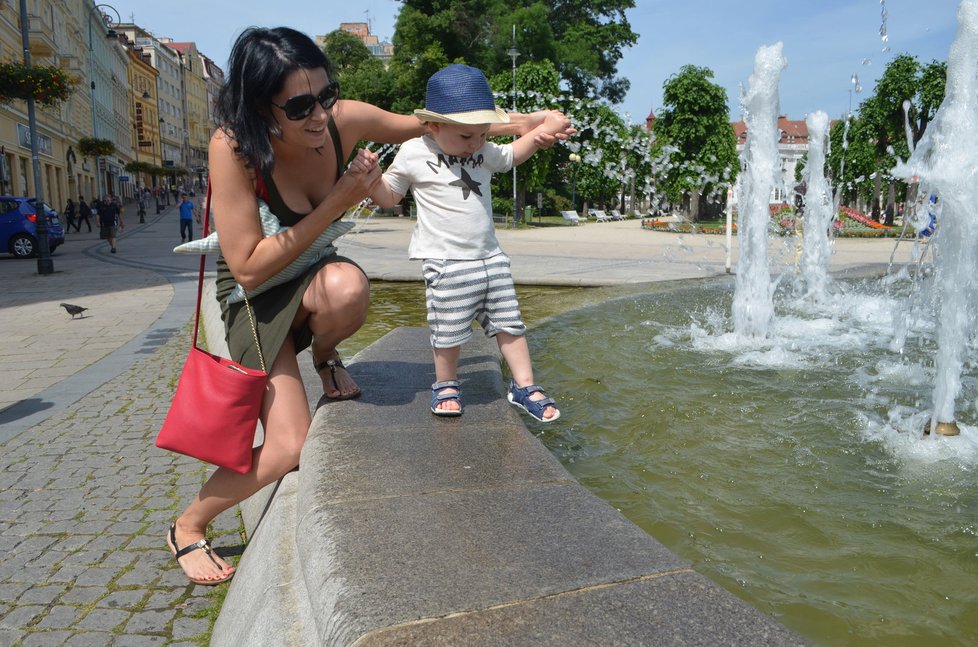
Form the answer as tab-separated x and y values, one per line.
44	263
514	54
108	22
575	159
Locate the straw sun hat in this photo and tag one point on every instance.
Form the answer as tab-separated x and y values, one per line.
459	94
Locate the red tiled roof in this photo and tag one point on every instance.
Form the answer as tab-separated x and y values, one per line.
792	131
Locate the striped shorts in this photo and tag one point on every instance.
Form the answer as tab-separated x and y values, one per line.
460	291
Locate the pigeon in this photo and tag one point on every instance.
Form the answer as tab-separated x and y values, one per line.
74	310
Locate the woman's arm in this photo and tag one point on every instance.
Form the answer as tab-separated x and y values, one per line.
252	258
361	121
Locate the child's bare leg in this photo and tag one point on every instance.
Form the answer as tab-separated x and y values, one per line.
516	352
446	368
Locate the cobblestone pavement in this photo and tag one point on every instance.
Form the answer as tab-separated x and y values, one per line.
85	499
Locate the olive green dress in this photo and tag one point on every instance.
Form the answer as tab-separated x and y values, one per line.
275	309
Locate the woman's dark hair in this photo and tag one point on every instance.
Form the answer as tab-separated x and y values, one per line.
260	60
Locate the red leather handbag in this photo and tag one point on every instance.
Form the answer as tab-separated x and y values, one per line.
215	409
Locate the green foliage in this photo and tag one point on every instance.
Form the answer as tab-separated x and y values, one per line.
48	85
361	75
584	41
877	137
694	128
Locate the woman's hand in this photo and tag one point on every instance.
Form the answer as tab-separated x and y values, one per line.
360	176
553	126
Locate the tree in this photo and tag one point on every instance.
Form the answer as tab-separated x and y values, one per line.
695	127
922	88
361	75
852	159
584	41
537	85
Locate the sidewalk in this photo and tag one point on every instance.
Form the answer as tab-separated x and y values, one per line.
85	498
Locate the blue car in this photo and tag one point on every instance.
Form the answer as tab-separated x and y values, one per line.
18	232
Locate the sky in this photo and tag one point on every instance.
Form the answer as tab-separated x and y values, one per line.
825	42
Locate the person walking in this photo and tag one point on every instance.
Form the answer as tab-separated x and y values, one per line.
84	213
188	213
109	221
69	214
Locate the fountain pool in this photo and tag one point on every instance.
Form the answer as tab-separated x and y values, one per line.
792	473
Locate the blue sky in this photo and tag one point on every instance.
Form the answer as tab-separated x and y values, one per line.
825	41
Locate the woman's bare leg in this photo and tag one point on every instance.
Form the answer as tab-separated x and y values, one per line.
336	302
285	419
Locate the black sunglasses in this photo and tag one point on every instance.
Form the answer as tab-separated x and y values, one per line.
302	106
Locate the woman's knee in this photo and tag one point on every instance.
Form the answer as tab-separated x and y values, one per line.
342	286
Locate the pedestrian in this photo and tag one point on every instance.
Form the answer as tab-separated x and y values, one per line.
188	213
279	137
84	213
69	213
467	276
109	220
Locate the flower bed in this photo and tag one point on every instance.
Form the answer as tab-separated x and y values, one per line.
841	230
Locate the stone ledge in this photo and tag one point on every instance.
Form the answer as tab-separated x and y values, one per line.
403	528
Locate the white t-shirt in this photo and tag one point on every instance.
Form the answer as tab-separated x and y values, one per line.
453	198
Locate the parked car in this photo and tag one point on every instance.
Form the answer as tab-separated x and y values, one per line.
18	230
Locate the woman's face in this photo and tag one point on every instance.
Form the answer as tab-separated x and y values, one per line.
308	131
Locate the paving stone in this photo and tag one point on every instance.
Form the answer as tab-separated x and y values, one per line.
41	594
12	590
96	577
123	599
10	635
166	598
133	640
60	617
45	639
22	616
102	619
150	621
90	639
186	628
83	595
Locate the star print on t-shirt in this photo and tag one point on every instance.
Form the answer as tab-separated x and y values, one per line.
467	184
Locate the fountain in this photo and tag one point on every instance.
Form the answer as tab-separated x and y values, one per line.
820	210
944	161
788	465
752	305
785	459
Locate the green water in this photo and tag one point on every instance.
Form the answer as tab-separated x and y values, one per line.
795	486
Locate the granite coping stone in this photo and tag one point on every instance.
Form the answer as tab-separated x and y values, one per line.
404	528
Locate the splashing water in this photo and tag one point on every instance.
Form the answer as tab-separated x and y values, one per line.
946	161
753	304
819	212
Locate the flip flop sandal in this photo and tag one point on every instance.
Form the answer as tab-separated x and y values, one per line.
520	396
332	365
438	396
171	542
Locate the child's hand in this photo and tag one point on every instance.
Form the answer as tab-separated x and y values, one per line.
364	161
556	123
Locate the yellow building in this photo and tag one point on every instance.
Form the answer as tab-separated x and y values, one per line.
145	116
58	37
197	123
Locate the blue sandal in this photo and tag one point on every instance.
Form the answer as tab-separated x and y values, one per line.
520	396
438	396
